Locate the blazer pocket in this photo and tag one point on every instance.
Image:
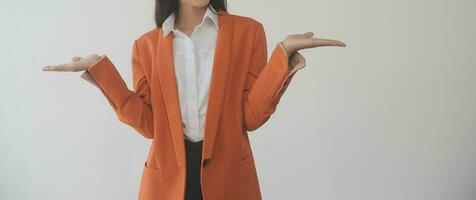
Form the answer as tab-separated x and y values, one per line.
244	181
243	161
149	170
151	186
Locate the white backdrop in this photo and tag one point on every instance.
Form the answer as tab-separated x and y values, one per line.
391	116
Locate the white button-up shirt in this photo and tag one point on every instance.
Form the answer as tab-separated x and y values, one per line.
193	61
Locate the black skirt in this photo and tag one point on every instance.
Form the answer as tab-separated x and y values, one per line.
193	189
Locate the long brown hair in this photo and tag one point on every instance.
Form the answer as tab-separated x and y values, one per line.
163	8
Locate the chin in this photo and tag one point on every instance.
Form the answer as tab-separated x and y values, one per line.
197	3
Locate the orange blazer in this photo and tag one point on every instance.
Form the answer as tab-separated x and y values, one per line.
245	90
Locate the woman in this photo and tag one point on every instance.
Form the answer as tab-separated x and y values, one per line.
201	81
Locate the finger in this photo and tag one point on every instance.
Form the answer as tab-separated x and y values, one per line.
76	59
308	34
59	68
328	42
319	42
302	36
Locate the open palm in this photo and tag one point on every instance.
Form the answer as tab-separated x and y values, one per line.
296	42
77	64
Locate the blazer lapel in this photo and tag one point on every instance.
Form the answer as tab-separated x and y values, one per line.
168	84
219	80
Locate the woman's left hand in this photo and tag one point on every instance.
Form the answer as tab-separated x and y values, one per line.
296	42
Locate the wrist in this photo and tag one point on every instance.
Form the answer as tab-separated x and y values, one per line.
96	61
285	48
289	55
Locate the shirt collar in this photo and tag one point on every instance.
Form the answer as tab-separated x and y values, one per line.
168	24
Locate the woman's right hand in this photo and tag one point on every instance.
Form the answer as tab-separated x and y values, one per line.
77	64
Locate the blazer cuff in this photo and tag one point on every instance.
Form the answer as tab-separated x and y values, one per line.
105	76
286	67
86	76
296	60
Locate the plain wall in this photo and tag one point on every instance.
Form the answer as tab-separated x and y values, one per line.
391	116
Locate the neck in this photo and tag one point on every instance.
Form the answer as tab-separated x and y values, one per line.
189	17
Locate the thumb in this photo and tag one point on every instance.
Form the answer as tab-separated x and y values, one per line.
76	59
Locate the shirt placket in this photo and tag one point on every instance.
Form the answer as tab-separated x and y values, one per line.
192	96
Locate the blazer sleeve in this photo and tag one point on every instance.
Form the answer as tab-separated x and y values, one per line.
267	81
132	107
